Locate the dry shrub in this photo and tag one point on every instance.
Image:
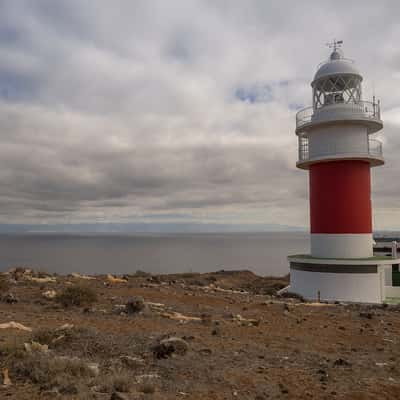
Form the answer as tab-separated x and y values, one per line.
142	274
44	336
82	341
147	388
77	296
115	381
49	371
4	284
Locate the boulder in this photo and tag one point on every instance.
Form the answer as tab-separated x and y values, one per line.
170	346
49	294
9	298
119	309
135	305
35	347
132	362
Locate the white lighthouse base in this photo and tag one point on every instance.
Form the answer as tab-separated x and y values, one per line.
348	280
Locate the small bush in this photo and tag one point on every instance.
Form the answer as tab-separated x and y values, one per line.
117	381
147	388
76	296
49	372
44	336
4	284
142	274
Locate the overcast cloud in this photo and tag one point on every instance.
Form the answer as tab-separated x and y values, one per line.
178	110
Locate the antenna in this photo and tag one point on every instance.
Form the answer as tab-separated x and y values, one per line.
335	44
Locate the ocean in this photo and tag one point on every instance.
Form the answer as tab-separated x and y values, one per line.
263	253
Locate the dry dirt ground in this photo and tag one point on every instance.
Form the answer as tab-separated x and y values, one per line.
232	338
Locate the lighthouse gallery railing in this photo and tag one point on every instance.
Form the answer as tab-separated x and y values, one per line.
374	149
366	109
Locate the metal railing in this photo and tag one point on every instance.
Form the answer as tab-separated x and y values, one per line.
375	147
374	150
304	151
364	109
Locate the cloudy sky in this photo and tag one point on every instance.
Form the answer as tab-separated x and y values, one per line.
154	110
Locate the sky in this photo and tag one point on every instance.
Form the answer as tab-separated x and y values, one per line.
178	111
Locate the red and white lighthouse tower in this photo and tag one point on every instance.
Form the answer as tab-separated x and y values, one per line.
337	147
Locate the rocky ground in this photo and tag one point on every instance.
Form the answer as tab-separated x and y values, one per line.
223	335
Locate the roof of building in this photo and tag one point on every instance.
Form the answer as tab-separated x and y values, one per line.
336	65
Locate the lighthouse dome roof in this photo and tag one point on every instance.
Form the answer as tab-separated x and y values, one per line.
336	65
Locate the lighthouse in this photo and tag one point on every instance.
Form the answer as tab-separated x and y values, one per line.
337	147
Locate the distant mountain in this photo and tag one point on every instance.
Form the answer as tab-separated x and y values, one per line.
151	228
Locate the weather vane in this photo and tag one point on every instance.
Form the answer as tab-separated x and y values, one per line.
336	44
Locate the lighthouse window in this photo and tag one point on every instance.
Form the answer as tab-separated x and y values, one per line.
339	98
339	89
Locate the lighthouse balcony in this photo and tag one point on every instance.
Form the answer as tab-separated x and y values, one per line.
361	112
371	152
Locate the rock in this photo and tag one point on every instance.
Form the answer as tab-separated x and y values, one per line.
113	279
147	378
365	314
206	319
9	298
340	362
49	294
283	389
135	305
6	378
132	362
170	346
35	347
247	322
119	309
119	396
216	331
15	325
68	389
65	327
94	368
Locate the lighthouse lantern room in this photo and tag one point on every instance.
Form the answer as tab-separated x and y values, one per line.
338	148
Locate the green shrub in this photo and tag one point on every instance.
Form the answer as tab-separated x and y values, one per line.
76	296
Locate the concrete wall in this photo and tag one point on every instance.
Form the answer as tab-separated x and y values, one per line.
357	287
392	291
388	276
338	139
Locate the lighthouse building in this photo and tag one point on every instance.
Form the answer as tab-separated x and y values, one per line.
338	149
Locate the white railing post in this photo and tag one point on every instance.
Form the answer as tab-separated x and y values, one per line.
394	249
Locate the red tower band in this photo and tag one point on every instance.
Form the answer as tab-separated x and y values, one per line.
340	197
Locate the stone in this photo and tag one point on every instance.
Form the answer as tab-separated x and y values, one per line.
365	314
135	305
119	309
9	298
35	347
216	331
340	362
132	362
15	325
167	347
49	294
94	368
68	389
119	396
6	377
